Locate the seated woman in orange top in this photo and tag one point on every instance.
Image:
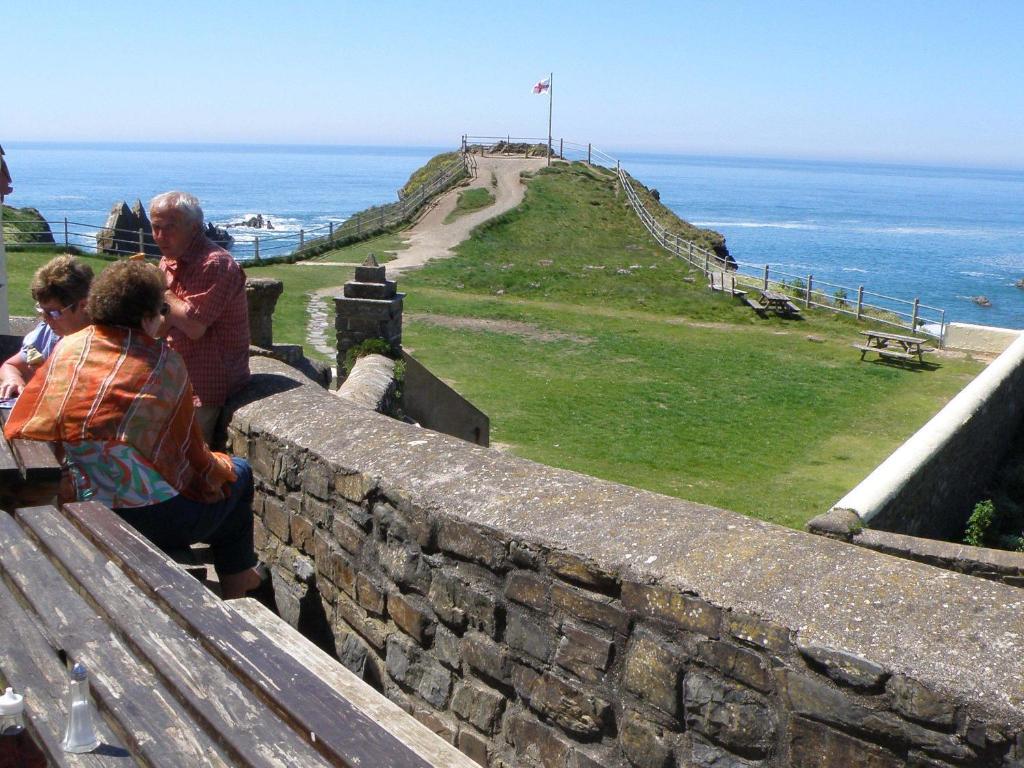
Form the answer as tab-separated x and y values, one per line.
120	403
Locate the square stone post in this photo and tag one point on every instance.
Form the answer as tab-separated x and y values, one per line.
370	308
262	294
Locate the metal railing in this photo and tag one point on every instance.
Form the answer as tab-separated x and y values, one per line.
726	273
283	245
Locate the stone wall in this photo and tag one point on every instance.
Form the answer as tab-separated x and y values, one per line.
930	484
538	617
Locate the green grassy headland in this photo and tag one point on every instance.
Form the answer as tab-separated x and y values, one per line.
592	349
470	200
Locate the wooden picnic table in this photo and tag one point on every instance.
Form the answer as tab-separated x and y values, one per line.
178	676
29	471
774	301
893	346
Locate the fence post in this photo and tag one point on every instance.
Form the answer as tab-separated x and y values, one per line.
707	269
913	320
302	239
561	147
942	328
359	224
860	301
589	149
67	243
330	231
807	292
256	254
766	277
141	241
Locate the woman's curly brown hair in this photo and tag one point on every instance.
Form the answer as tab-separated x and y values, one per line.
63	279
126	293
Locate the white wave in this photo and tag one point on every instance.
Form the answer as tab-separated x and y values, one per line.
924	230
757	224
968	273
855	269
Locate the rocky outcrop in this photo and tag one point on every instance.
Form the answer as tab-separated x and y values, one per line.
25	226
254	222
120	235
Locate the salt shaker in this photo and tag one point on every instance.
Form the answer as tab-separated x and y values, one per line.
80	735
17	750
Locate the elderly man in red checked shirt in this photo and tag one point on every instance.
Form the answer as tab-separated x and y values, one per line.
208	321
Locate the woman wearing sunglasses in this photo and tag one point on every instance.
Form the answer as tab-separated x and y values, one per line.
119	402
60	288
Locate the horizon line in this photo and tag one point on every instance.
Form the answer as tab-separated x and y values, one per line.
1011	167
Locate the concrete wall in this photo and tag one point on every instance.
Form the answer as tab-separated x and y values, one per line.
979	338
929	485
538	617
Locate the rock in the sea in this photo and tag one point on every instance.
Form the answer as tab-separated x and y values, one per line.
25	226
219	235
1020	283
254	222
120	235
981	301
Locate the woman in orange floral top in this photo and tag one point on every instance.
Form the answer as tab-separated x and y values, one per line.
120	403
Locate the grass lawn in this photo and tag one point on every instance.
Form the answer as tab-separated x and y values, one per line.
592	351
470	200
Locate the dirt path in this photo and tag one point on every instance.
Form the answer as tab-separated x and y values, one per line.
430	238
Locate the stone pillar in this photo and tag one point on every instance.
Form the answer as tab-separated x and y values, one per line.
262	294
371	308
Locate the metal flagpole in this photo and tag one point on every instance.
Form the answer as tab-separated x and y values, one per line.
551	98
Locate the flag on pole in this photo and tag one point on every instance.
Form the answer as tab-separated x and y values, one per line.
543	85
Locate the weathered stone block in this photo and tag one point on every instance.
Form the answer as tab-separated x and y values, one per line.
689	613
846	668
812	744
644	743
754	631
487	657
374	631
358	514
405	524
536	742
728	714
405	565
915	701
738	663
262	457
447	647
583	653
322	549
414	669
523	679
589	607
582	571
348	535
568	705
316	511
302	533
531	637
652	672
473	746
341	571
352	651
528	589
480	705
369	595
705	755
815	699
354	486
276	518
444	726
316	480
472	542
460	602
412	615
288	595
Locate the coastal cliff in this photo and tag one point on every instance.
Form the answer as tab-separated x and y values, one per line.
25	226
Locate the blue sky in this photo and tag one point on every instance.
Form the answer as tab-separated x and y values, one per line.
902	81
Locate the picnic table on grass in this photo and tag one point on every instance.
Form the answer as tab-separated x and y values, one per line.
893	346
773	301
178	676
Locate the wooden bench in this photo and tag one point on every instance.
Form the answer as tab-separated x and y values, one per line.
179	677
29	472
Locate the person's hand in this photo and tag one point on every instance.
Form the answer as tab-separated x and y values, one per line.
10	388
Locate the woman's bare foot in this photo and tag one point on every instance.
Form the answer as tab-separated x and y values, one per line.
239	584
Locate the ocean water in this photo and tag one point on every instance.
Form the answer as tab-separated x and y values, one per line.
943	235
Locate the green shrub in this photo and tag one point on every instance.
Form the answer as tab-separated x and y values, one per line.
980	523
368	347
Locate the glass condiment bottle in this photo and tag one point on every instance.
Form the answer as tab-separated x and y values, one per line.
17	750
80	735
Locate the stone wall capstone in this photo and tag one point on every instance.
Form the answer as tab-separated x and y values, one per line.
538	617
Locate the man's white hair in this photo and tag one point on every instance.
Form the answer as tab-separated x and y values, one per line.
185	204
